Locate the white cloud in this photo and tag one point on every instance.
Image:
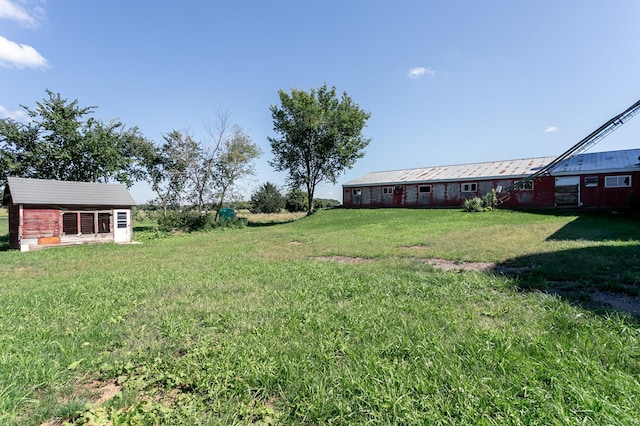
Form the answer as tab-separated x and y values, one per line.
11	10
20	55
550	129
19	115
418	72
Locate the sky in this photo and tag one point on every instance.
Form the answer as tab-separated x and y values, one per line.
446	82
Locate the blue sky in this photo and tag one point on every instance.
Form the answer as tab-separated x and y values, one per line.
446	82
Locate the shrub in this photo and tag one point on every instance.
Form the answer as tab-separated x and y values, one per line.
267	199
296	201
473	205
476	204
182	220
191	221
490	200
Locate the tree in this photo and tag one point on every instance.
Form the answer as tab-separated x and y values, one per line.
167	167
267	199
320	137
235	160
295	201
61	142
198	171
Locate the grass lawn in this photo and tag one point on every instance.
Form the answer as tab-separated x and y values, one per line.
336	318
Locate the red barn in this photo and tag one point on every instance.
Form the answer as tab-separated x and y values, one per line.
603	180
48	212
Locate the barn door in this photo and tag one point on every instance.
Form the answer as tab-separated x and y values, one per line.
567	191
122	226
398	191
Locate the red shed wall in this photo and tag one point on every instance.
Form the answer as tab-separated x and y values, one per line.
40	222
14	224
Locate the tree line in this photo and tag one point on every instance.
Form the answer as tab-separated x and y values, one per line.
319	136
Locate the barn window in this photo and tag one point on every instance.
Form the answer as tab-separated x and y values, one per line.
469	187
398	189
527	185
70	223
356	195
387	190
591	181
424	189
617	181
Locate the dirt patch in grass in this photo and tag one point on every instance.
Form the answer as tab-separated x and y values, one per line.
106	392
95	391
343	259
619	302
101	392
598	299
594	298
453	265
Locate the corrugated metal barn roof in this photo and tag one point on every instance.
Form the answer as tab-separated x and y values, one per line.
54	192
512	169
493	169
600	162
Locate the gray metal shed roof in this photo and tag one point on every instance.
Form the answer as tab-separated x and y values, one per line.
508	169
63	193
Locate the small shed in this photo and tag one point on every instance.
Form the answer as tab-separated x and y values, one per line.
46	213
593	180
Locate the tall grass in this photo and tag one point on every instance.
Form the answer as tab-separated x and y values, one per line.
249	326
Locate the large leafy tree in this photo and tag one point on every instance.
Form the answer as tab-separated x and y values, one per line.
235	160
320	136
63	142
168	166
195	164
184	168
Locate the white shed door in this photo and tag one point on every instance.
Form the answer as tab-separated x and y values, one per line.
122	226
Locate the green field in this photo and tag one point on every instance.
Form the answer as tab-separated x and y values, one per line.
337	318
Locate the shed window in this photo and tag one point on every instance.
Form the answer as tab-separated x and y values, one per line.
424	189
469	187
122	220
617	181
70	223
357	192
387	190
104	223
83	222
86	223
591	181
527	185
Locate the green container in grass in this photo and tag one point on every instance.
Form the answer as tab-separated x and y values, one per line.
227	213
